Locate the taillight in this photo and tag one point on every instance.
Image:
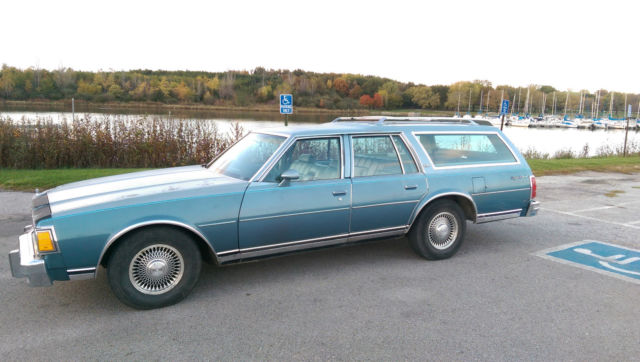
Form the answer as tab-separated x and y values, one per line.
534	187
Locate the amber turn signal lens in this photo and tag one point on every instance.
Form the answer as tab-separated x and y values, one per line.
45	242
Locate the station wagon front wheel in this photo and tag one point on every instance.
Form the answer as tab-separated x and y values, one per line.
154	267
439	230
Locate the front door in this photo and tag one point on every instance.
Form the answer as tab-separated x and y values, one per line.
313	208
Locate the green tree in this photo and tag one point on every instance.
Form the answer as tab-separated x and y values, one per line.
424	97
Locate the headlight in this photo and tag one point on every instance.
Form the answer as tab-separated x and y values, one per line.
45	240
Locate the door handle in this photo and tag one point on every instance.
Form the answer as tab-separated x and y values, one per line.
410	187
339	193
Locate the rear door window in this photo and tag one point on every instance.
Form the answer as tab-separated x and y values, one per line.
374	156
465	149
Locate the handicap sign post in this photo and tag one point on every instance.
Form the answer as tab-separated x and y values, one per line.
504	109
286	106
603	258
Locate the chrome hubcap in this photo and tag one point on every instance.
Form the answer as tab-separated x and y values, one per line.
156	269
442	231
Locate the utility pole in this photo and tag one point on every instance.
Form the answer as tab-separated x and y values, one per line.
626	132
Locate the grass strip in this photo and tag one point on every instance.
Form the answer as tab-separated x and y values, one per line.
29	180
556	166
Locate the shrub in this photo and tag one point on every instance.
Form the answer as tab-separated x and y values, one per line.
110	142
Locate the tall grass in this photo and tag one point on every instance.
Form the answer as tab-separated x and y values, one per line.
633	149
106	143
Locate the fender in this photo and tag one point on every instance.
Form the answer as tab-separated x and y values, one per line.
182	225
428	198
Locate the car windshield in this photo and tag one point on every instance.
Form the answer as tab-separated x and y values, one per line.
246	157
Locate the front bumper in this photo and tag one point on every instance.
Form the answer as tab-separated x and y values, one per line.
24	264
534	206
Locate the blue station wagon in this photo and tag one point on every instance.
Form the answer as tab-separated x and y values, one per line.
277	191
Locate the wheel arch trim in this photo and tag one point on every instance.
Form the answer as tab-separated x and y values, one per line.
139	225
424	204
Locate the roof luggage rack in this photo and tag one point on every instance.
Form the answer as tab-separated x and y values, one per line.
405	120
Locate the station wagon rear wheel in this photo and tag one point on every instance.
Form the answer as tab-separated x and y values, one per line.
154	267
439	230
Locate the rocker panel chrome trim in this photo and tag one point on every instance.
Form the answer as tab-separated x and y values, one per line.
258	251
500	215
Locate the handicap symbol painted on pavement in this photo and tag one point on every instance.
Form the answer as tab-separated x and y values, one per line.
601	257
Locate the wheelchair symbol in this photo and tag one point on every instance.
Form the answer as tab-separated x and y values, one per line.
285	100
606	261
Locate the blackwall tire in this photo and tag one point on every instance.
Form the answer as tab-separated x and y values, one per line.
439	230
154	267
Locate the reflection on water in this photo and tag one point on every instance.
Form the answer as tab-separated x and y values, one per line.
543	140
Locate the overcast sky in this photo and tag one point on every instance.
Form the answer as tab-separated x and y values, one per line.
567	44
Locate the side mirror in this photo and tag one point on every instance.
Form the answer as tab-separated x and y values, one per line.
287	176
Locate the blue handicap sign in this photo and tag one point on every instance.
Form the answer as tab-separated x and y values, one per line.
505	106
286	100
286	104
601	257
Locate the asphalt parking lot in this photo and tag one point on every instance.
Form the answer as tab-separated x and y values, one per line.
495	300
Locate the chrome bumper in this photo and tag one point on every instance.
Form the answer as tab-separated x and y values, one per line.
534	206
25	265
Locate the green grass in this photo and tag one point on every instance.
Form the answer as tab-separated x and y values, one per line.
28	180
557	166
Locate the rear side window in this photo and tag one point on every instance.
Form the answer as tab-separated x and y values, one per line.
374	156
465	149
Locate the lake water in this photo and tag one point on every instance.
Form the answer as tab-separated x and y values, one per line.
544	140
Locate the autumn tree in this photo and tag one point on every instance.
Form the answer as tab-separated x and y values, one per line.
366	101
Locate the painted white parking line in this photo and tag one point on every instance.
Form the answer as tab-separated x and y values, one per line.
594	218
620	205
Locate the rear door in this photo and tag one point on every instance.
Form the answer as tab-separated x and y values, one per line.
387	183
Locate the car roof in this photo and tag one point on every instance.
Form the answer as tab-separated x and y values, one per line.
382	124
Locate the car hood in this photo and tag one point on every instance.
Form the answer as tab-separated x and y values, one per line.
139	187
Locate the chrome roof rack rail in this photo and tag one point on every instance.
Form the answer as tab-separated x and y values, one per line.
406	120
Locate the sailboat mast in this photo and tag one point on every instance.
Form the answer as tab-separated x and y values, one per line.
519	100
625	105
526	102
580	104
459	96
554	103
481	95
469	111
488	97
566	103
544	103
611	105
